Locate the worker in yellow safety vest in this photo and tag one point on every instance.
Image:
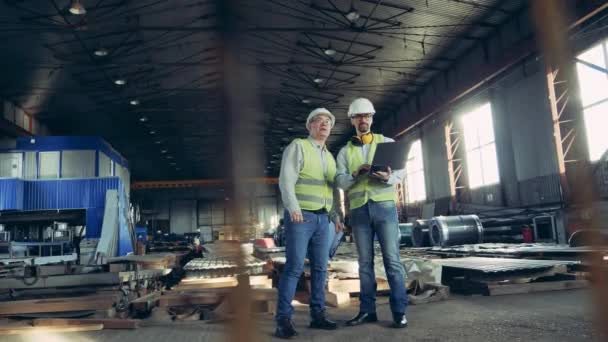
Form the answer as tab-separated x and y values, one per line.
372	212
306	182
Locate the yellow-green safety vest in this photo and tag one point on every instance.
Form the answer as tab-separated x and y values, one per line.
314	188
366	188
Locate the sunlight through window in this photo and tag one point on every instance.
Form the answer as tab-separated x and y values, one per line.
414	174
593	83
482	164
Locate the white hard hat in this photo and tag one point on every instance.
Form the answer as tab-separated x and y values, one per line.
319	111
361	106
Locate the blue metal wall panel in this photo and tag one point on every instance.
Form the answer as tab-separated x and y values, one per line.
68	193
11	194
94	222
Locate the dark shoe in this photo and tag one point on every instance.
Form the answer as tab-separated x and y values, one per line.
321	322
285	329
362	317
399	321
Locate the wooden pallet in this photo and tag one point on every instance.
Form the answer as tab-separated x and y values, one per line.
81	303
255	281
518	285
339	291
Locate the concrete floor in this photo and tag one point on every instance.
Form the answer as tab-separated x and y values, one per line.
549	316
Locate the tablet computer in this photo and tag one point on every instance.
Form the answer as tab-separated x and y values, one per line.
391	154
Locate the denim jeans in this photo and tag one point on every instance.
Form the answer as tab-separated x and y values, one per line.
380	219
298	236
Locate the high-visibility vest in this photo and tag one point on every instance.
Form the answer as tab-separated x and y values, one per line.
314	188
367	188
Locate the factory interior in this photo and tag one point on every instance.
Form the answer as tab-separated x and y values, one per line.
146	153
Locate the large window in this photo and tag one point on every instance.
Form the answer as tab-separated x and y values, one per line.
414	174
482	165
48	165
593	81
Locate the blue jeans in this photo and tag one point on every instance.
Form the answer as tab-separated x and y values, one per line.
380	219
298	236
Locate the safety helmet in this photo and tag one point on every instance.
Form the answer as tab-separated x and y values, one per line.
319	111
361	106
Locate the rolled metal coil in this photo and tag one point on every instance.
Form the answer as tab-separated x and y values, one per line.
456	230
405	231
420	233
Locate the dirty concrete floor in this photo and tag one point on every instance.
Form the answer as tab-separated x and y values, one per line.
549	316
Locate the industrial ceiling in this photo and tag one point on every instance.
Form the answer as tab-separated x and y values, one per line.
149	75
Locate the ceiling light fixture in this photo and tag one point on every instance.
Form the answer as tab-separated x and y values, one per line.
101	52
144	119
152	132
305	101
329	51
353	15
318	80
76	8
163	151
134	102
158	142
120	81
169	157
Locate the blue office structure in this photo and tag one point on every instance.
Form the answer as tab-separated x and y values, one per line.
64	173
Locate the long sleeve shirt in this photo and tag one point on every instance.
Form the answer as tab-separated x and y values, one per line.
344	178
291	165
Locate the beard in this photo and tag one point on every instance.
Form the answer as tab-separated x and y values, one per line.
363	128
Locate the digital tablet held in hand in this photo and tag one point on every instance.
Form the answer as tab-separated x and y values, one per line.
389	154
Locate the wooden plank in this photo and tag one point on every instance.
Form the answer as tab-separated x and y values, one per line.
89	279
344	285
189	300
24	330
94	302
108	323
337	299
497	290
146	302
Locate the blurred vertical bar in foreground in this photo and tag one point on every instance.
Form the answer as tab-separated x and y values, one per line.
551	19
243	146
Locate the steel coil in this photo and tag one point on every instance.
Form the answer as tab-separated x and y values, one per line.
420	233
456	230
405	231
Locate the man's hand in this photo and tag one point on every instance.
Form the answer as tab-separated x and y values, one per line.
296	216
361	170
382	175
339	226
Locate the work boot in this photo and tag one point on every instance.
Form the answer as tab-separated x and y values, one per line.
362	317
319	321
399	321
285	328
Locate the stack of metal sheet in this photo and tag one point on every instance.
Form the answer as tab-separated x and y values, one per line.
213	267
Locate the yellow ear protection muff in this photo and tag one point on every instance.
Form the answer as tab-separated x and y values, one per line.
365	139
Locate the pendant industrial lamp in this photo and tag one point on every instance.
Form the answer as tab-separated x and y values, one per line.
76	8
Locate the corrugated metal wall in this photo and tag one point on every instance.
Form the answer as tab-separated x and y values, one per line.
11	194
67	193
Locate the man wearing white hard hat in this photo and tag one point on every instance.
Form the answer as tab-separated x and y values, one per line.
372	211
306	181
